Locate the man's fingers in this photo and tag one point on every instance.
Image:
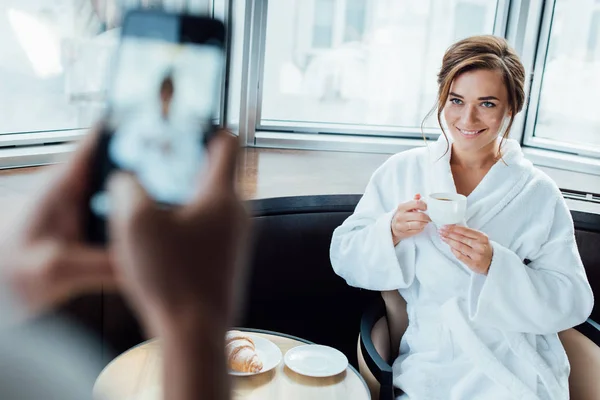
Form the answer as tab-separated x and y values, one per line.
82	268
127	199
66	271
73	178
223	152
66	188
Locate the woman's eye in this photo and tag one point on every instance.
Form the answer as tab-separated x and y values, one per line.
456	101
488	104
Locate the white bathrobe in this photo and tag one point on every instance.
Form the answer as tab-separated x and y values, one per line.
473	336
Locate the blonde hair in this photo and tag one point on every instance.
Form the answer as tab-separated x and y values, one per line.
486	52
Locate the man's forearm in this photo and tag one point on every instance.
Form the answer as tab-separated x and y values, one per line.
194	363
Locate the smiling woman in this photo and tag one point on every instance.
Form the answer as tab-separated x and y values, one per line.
480	91
480	324
476	120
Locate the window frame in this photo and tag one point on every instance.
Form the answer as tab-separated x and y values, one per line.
529	138
254	133
521	22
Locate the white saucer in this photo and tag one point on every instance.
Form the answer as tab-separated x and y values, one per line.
316	360
267	351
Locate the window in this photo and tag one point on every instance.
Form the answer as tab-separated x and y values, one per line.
355	20
337	21
46	47
565	101
54	59
594	36
475	13
323	17
359	63
355	75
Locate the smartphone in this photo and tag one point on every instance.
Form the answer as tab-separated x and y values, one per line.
163	96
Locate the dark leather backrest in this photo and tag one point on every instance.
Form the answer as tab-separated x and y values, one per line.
291	286
589	249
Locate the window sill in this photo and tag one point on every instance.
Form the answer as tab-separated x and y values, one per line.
40	138
30	156
331	142
265	174
568	171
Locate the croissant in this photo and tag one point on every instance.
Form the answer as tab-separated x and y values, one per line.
241	353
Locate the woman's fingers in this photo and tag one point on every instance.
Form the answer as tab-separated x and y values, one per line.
461	256
413	205
459	246
414	216
417	216
410	226
467	232
475	244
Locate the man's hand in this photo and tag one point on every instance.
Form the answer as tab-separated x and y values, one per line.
180	263
46	260
179	271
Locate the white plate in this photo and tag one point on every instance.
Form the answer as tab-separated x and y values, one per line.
267	351
316	360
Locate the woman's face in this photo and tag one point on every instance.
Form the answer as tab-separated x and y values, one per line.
475	109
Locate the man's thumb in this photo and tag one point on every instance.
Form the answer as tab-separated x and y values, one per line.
126	197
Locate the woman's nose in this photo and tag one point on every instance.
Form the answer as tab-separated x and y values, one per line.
469	117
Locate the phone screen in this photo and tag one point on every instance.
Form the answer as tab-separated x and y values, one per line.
162	102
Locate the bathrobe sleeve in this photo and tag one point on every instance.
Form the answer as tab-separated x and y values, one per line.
362	250
549	295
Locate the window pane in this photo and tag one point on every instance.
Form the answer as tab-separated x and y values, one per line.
568	108
378	65
236	67
323	23
51	64
356	17
54	59
473	12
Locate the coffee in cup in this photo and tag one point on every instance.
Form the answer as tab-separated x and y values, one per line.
446	208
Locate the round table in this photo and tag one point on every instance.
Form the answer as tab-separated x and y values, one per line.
136	375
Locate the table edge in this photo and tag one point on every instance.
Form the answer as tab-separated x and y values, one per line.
253	330
285	335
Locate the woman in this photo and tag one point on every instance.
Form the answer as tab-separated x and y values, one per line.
485	301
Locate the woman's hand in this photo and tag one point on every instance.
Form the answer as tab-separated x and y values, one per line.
409	219
470	246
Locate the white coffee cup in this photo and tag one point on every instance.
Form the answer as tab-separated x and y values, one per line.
446	208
